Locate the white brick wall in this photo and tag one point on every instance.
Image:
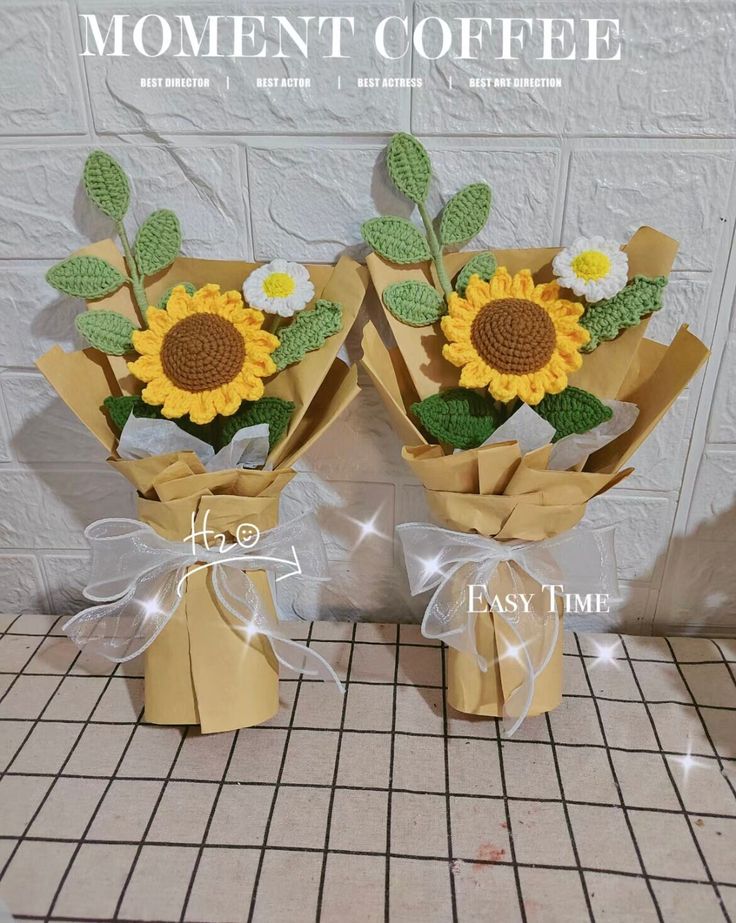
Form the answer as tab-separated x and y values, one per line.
266	173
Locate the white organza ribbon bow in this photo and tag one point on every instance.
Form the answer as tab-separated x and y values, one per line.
139	579
579	562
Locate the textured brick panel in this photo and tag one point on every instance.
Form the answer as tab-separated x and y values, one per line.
643	525
660	87
49	508
21	584
723	412
684	194
43	429
331	213
35	316
120	104
40	89
46	213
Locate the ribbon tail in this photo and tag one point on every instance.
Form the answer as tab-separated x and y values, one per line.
534	635
123	629
238	594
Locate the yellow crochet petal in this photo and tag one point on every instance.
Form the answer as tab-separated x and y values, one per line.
179	304
159	321
503	386
501	283
545	293
459	353
260	365
146	368
260	339
177	403
477	292
205	300
201	407
475	374
227	399
522	285
252	318
146	342
249	386
157	390
456	329
530	388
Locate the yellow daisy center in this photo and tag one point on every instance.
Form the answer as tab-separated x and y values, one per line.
278	285
591	265
202	352
514	336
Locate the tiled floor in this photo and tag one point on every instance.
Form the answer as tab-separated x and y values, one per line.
620	805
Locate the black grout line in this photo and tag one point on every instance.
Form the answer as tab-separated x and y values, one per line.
205	832
703	723
624	807
678	795
267	829
389	799
414	857
512	848
367	731
568	822
88	827
448	808
47	794
324	851
149	824
333	786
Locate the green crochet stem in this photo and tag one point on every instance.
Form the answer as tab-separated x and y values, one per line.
136	279
436	250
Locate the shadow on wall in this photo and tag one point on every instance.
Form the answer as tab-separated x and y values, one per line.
701	592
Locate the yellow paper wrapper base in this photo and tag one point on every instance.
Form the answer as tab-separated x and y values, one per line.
473	692
181	685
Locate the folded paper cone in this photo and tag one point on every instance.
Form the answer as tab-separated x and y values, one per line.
473	692
202	669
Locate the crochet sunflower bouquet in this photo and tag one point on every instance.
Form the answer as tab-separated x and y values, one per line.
205	380
520	382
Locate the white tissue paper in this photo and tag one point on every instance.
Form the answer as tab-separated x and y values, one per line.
574	449
526	427
142	437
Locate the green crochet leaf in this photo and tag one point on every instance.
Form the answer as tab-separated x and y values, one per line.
164	300
157	242
466	214
107	185
120	408
457	417
483	265
409	167
107	331
272	410
308	331
86	277
414	303
605	319
396	240
572	411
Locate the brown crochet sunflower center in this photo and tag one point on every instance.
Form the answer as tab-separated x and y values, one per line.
202	352
514	336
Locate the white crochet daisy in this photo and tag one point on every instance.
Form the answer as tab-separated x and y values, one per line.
279	287
593	267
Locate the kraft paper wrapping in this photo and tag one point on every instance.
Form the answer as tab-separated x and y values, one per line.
495	491
200	670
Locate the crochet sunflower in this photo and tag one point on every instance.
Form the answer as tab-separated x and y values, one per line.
513	337
203	355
